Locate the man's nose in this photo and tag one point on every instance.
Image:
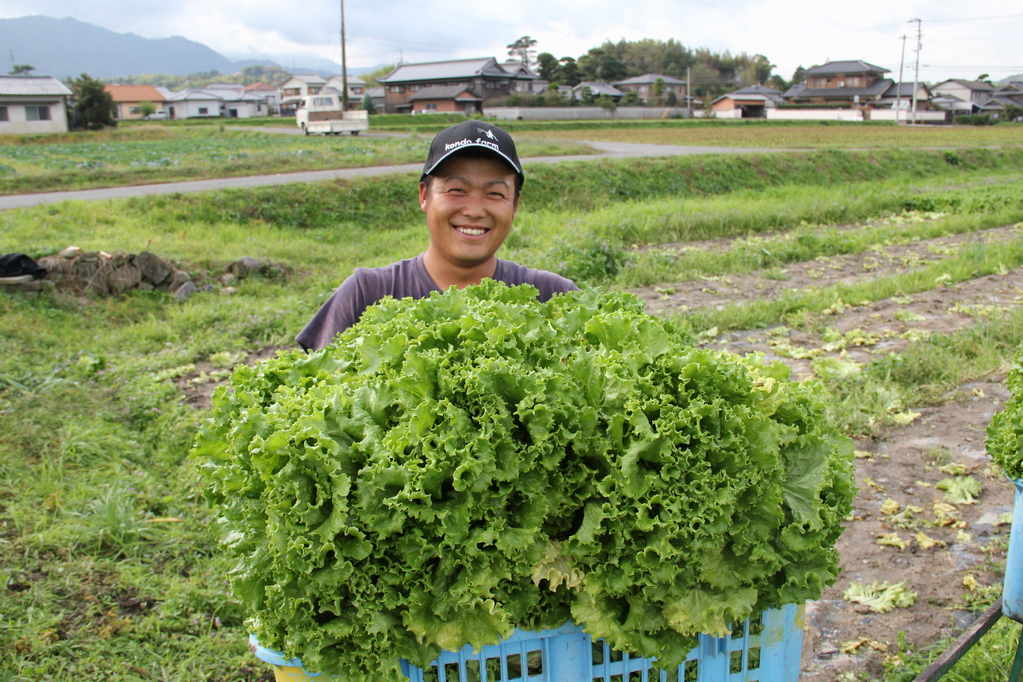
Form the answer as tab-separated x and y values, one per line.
473	205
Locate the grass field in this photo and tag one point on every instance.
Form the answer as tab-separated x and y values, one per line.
108	559
143	154
806	136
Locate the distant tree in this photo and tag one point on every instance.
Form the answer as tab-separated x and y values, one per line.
798	76
146	108
586	95
22	69
630	99
373	77
605	102
569	72
671	98
762	68
657	92
94	106
547	65
603	65
778	83
367	104
523	49
1010	113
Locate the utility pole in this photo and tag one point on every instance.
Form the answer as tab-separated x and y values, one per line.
689	92
898	88
916	73
344	65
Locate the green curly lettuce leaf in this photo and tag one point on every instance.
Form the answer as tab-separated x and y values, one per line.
1005	432
453	468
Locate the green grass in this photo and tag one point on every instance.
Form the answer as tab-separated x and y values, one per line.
151	153
108	562
771	135
988	661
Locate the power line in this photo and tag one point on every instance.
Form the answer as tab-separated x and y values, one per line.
1005	16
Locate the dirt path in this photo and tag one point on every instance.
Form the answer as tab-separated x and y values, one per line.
903	464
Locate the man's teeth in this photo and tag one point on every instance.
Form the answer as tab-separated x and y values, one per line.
474	231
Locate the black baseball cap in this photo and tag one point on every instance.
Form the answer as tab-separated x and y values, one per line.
468	134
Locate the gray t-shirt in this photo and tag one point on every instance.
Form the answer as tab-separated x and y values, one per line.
406	279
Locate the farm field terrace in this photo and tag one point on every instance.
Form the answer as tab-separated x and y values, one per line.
154	153
807	136
895	278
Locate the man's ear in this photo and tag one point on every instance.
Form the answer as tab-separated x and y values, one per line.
423	192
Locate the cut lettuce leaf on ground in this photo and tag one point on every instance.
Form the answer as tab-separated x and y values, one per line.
960	489
881	597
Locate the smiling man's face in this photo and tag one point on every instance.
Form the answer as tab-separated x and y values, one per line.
469	208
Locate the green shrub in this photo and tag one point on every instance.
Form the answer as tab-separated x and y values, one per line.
974	120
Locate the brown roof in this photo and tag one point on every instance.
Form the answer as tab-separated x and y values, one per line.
260	85
134	93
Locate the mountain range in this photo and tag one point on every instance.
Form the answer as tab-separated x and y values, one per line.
68	48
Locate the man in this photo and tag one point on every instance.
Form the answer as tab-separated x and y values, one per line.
469	192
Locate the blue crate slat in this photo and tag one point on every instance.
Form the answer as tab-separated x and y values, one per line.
1012	589
567	654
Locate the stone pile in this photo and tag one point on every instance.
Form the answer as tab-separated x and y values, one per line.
97	273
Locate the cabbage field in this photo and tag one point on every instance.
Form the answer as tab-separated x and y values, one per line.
886	284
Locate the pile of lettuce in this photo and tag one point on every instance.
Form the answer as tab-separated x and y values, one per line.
452	468
1005	432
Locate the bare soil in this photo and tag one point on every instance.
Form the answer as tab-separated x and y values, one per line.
902	463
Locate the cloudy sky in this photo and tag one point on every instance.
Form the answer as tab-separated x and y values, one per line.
959	40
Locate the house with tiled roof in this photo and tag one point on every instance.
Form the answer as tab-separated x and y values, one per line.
33	105
129	98
976	94
596	90
855	83
644	86
268	93
445	99
749	102
194	103
483	77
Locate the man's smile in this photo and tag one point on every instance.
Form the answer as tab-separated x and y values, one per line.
472	231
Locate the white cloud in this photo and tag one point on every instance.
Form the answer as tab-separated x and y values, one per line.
959	40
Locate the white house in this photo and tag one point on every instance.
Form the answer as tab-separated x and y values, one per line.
237	102
299	86
977	94
33	105
356	87
193	103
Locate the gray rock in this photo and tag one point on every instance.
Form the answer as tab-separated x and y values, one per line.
185	291
124	278
153	269
239	269
227	291
250	262
178	278
228	279
70	252
146	286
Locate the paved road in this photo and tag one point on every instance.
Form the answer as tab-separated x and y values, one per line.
610	150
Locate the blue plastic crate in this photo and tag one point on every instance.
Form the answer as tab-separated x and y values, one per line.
764	649
1012	591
